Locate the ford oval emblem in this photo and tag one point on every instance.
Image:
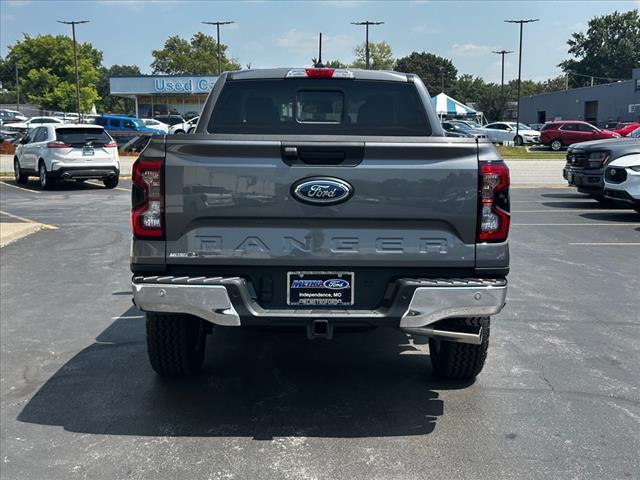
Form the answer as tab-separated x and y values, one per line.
336	284
322	190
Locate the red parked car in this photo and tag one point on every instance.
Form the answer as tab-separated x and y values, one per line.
564	133
625	128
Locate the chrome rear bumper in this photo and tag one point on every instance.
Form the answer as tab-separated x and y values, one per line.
417	306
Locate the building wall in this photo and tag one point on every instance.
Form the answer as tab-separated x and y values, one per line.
614	103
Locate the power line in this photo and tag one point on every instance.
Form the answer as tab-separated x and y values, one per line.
217	24
366	24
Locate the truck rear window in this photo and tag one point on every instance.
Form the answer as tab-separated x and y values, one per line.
319	106
82	136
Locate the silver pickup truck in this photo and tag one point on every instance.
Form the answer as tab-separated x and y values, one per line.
323	199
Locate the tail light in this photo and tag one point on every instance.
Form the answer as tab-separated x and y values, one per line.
493	202
110	144
58	144
147	203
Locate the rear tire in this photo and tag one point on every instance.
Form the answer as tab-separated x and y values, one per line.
20	176
46	181
460	361
175	344
110	182
556	145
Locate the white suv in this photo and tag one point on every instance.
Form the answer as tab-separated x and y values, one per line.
67	152
622	180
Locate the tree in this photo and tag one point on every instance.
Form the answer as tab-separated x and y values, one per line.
196	57
429	68
111	103
467	88
47	73
380	56
610	48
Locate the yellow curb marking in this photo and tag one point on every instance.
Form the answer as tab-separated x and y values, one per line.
44	226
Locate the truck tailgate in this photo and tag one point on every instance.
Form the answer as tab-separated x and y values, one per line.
230	202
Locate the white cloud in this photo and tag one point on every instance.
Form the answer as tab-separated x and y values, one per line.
425	29
471	49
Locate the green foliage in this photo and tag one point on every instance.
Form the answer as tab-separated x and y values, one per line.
47	73
380	56
330	63
196	57
110	103
610	48
429	68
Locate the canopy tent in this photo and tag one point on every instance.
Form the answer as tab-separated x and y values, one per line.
445	105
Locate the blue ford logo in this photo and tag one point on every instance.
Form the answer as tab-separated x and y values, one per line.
322	190
336	284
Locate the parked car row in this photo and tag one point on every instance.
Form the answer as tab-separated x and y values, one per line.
608	170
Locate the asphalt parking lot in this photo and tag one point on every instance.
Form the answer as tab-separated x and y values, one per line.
559	397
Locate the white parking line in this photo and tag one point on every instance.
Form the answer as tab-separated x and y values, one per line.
559	210
20	188
129	317
593	244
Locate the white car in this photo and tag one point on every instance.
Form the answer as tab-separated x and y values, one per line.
67	152
187	127
32	123
11	116
622	180
635	133
155	124
499	132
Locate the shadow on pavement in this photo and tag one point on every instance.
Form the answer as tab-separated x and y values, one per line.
624	216
65	185
255	384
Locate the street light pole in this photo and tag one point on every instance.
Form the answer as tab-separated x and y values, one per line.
502	53
217	24
366	47
521	22
75	59
17	89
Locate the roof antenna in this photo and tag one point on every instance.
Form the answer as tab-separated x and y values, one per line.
319	62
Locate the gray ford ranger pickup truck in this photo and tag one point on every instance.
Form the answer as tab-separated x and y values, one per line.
322	199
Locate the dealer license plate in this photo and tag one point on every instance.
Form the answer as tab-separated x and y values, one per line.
318	289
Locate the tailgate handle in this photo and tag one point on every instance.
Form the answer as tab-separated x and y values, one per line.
315	154
311	157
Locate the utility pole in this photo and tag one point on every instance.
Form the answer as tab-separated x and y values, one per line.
366	48
75	59
502	53
319	62
217	24
17	89
521	22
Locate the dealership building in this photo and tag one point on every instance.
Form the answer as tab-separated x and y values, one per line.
600	104
164	94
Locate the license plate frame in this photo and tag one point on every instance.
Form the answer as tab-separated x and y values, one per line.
320	289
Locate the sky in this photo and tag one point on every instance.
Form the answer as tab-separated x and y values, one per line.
284	33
